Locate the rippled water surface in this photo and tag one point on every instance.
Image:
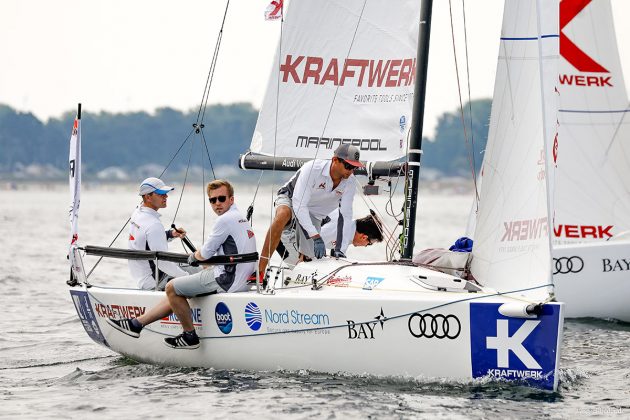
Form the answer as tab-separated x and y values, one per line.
50	368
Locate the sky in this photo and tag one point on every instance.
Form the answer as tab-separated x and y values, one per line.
139	55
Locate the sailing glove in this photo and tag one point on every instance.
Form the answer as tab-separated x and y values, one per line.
192	260
337	254
319	247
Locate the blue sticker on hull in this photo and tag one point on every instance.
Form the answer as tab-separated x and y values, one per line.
514	348
86	315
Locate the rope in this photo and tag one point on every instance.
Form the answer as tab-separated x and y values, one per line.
461	106
197	128
332	104
129	219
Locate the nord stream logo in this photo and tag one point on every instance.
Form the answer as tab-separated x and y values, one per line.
574	55
253	317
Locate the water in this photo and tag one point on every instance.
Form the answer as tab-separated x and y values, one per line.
49	368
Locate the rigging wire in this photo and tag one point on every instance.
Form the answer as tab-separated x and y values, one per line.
197	126
332	104
129	219
275	146
470	116
469	147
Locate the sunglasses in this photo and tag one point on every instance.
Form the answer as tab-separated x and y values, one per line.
221	199
370	242
346	165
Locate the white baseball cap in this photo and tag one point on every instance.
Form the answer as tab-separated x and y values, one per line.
155	185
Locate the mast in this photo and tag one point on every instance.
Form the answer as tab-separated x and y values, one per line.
415	143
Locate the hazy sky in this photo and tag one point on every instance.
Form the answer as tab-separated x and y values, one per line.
131	55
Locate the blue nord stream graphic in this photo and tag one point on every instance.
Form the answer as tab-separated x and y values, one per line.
253	317
223	317
514	348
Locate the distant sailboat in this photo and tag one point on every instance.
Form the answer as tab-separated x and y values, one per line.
591	167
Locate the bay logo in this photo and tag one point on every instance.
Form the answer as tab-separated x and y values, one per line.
514	348
223	316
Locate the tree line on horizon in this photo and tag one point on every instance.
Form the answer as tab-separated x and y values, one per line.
131	140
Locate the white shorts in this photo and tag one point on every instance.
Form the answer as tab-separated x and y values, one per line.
300	240
197	284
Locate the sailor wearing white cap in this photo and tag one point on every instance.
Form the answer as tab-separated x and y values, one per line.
146	233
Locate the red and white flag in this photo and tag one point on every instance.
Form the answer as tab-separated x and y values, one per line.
274	10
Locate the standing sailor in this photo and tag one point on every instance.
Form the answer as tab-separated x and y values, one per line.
318	188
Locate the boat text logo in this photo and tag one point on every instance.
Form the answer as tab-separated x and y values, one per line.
373	145
434	326
118	311
195	315
352	71
372	282
618	265
253	316
223	316
509	348
523	230
365	330
574	55
582	231
566	265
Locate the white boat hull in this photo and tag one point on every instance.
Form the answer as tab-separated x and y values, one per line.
375	328
594	279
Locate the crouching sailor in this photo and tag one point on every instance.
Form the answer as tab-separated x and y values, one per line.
231	235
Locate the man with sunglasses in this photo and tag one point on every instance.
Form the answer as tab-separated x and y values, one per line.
146	233
231	234
318	188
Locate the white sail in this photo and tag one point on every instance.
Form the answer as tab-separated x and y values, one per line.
512	244
592	198
345	73
74	178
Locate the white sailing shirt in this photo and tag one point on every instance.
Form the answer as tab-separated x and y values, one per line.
231	235
312	194
330	231
146	233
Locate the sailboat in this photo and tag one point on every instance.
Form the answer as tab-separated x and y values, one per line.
592	167
344	72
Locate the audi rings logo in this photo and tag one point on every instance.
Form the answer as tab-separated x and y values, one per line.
566	265
434	326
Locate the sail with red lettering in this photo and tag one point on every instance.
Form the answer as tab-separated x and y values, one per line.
512	249
344	73
592	173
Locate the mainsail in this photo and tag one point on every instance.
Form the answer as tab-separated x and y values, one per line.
592	198
344	73
512	244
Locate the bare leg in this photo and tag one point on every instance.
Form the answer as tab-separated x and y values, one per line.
159	311
180	307
272	239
